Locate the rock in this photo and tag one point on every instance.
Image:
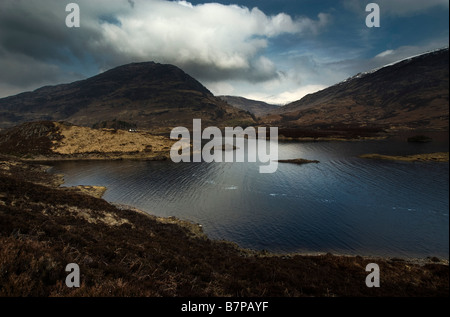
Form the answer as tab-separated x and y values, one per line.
298	161
420	139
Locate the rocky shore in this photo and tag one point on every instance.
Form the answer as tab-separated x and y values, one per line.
429	157
298	161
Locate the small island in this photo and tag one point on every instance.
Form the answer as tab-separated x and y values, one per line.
429	157
229	147
299	161
420	139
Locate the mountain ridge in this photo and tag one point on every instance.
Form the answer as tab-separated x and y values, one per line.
256	107
149	95
409	94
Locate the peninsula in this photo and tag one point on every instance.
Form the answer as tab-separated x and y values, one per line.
428	157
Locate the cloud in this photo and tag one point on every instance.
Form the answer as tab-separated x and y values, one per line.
286	97
211	41
230	48
312	72
385	53
20	72
348	68
392	56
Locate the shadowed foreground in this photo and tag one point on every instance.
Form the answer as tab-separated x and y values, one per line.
127	253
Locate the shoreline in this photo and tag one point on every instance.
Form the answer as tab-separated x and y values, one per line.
125	251
98	191
93	157
197	230
438	157
265	253
330	139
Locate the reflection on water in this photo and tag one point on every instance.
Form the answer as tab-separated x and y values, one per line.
344	204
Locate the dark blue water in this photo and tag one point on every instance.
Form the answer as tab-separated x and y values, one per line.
344	204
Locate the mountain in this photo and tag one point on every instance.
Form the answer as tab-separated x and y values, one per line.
258	108
147	95
410	94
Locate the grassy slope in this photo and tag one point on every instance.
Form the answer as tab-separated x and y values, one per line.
83	140
126	253
55	140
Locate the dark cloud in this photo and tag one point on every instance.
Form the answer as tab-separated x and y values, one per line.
221	45
211	42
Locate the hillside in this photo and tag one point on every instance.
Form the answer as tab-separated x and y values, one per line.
147	95
49	140
410	94
258	108
124	252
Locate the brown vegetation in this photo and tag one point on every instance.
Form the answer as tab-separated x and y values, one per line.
122	252
332	132
83	140
409	95
142	95
48	140
298	161
428	157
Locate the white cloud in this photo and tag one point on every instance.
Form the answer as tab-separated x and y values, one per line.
226	47
286	97
392	56
348	68
212	42
385	53
185	3
225	38
221	88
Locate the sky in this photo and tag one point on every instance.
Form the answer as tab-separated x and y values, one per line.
275	51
